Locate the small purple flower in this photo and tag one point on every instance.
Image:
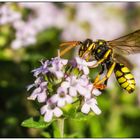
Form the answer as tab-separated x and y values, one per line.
50	110
75	86
90	104
43	69
57	65
62	97
40	92
37	83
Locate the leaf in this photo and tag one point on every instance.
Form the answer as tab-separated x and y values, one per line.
35	122
46	134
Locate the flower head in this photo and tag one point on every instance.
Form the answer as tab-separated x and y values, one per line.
57	85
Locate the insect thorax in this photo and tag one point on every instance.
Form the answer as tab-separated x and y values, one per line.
100	49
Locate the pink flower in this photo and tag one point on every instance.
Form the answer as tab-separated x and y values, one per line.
50	110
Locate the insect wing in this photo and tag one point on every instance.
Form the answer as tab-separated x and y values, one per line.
123	60
128	44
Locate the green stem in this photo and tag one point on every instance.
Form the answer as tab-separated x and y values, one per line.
61	127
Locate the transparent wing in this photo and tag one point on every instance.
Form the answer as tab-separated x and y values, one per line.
128	44
121	59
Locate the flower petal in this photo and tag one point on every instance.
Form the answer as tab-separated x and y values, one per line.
34	94
64	61
96	109
59	74
48	116
91	63
96	92
30	86
43	109
86	70
42	97
82	91
69	99
92	101
54	98
65	84
78	60
58	112
61	102
85	108
72	91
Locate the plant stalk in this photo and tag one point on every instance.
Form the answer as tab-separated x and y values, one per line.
61	127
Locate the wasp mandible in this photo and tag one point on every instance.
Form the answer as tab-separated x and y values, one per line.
109	55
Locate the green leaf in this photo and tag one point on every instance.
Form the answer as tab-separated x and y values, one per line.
46	134
35	122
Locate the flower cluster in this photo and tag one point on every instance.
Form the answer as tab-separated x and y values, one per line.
7	15
44	15
41	17
60	82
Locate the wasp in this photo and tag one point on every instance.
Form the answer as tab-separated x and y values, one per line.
109	55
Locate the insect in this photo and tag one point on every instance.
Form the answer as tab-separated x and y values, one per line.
109	56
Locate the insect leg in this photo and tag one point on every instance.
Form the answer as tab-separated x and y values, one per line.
103	59
99	83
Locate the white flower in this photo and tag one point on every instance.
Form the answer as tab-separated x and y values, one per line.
57	65
90	104
76	85
40	92
61	98
50	110
82	65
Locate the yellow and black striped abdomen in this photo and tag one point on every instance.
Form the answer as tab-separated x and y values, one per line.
124	77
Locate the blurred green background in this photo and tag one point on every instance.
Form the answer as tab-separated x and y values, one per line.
30	32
